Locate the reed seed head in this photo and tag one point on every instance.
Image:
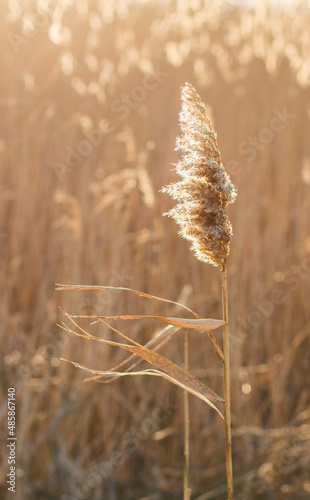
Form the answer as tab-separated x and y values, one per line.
205	189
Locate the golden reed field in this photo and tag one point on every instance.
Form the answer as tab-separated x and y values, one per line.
90	97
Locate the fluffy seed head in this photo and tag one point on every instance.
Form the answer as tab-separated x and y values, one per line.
205	189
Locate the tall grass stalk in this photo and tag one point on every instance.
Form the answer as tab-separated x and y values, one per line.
99	222
203	195
186	489
227	407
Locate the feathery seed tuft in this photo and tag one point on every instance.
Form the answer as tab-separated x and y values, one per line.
205	189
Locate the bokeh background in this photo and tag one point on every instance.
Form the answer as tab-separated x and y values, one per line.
89	116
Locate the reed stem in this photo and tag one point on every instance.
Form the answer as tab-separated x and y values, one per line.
186	489
227	408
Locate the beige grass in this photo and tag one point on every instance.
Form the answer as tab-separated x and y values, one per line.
99	225
203	195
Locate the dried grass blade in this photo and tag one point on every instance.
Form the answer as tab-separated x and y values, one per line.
176	373
113	374
201	325
156	373
171	371
156	342
60	286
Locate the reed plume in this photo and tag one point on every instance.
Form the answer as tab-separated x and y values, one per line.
203	194
205	189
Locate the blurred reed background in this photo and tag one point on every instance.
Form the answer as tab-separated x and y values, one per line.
89	116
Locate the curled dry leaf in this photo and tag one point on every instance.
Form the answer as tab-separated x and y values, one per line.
200	325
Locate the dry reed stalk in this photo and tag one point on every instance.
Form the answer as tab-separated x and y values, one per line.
36	133
227	407
203	195
186	489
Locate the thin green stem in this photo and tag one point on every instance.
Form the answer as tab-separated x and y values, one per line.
227	409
